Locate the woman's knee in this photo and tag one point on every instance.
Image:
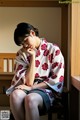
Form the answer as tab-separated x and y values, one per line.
30	101
17	94
33	100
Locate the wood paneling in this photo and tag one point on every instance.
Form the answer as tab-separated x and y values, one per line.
75	42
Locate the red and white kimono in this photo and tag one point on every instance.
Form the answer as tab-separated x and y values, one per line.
49	64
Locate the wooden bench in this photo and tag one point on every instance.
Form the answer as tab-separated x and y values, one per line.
7	61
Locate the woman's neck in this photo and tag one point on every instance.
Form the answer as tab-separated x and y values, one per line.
38	41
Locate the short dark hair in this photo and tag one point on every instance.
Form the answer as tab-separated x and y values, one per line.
21	30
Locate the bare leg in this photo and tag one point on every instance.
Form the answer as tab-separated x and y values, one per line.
32	102
17	105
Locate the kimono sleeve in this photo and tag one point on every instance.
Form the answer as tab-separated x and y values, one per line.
56	76
20	68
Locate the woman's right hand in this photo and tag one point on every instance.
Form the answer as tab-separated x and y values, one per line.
29	50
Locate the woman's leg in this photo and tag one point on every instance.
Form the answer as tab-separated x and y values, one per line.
17	105
33	101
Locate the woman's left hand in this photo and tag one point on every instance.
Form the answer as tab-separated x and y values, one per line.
23	87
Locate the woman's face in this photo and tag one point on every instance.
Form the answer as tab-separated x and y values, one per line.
29	40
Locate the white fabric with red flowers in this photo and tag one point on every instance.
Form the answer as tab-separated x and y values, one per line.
49	64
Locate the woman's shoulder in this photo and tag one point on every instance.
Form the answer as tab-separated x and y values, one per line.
53	46
50	45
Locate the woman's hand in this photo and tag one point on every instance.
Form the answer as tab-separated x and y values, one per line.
28	88
30	50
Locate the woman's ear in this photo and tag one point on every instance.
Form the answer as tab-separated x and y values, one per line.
32	33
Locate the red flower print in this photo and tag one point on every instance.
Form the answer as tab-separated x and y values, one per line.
46	80
28	58
57	52
21	71
37	63
60	65
54	65
61	78
50	58
43	47
46	52
59	86
16	77
53	76
19	67
36	75
38	53
45	66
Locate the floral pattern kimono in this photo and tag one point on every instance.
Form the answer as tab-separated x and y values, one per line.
49	64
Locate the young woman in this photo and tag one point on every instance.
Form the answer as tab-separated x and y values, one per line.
39	73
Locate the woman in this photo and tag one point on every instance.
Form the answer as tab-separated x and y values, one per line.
39	73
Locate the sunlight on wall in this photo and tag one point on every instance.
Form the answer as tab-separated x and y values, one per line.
47	20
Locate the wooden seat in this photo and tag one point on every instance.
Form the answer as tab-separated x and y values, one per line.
7	61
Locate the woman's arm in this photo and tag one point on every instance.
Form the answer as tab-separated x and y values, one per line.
35	86
30	72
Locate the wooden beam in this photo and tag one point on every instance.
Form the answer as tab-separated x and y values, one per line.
21	3
64	37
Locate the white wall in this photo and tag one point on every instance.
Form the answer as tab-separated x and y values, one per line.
46	19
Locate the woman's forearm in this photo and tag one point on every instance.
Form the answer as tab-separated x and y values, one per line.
31	72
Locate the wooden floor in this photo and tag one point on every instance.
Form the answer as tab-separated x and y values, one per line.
45	117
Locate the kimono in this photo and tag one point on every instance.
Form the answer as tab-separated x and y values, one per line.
49	64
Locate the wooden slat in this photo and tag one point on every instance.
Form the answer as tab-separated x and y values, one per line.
6	76
7	57
1	65
12	65
8	65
